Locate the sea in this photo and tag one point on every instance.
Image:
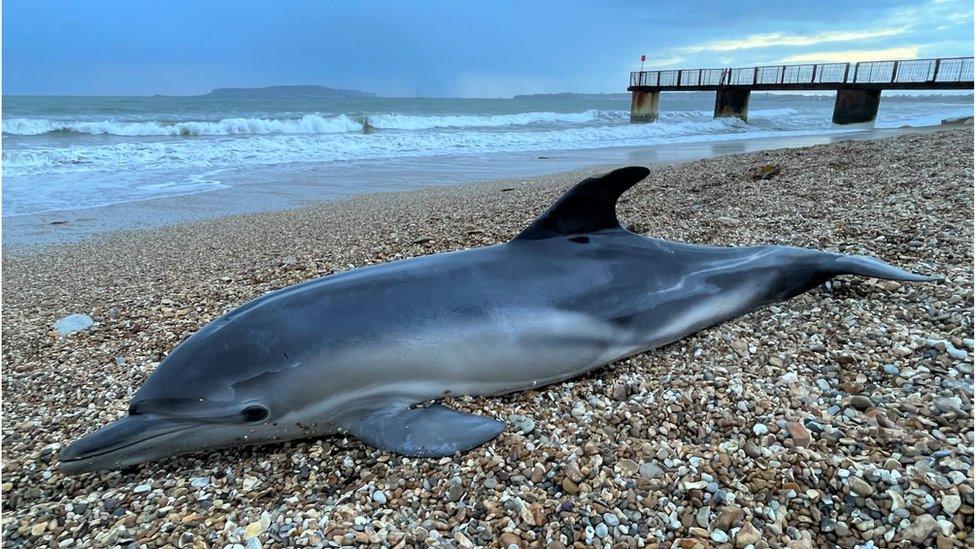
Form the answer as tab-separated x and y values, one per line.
66	153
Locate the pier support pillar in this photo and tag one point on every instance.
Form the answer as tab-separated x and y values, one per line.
644	106
854	106
732	102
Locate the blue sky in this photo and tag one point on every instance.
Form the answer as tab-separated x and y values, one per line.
451	48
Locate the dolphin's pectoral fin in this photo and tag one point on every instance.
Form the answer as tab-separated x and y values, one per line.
434	431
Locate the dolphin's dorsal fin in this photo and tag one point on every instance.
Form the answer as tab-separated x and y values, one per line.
588	207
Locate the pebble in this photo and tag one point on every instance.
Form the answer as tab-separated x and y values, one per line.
522	424
379	497
951	503
72	323
726	517
455	491
752	450
861	402
947	347
257	527
801	436
760	429
719	536
249	483
921	529
509	539
860	487
948	404
628	466
573	472
747	535
703	517
650	470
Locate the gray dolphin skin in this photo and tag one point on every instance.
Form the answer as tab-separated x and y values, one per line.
362	352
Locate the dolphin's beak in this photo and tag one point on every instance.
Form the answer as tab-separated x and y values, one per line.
127	441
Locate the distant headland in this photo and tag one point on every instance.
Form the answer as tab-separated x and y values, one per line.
288	91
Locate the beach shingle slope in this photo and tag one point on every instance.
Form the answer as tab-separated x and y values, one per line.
842	416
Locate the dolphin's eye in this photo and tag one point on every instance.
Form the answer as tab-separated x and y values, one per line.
255	413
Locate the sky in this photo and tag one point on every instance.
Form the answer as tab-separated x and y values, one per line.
456	48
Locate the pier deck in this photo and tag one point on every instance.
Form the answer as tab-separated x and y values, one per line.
858	85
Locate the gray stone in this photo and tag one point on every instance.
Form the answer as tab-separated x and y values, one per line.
522	424
455	491
73	323
860	487
751	449
948	404
703	517
650	470
951	503
718	536
920	530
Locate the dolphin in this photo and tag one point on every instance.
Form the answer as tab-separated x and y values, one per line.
372	351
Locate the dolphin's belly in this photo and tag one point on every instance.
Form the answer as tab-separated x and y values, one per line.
506	351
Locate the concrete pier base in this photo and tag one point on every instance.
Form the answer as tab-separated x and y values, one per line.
732	102
644	106
856	106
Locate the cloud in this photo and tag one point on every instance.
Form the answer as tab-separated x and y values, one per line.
853	56
772	39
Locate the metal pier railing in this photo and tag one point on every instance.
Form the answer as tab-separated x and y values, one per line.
940	73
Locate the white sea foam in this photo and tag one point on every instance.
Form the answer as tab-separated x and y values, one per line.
414	122
307	124
274	149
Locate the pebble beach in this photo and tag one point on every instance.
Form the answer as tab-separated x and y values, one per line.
843	417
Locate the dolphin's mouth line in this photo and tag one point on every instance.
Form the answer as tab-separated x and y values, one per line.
128	444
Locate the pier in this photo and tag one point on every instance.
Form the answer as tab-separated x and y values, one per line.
858	85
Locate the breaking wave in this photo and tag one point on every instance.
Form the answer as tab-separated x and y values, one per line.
308	124
278	149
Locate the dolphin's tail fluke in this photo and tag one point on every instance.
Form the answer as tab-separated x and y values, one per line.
863	265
